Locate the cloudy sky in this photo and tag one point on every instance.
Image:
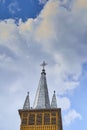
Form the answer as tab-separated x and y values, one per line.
35	30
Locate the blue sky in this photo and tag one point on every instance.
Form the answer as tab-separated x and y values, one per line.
35	30
20	9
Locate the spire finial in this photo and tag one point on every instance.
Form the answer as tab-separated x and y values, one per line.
28	93
43	64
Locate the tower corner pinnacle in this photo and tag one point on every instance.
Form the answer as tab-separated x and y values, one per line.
54	101
26	105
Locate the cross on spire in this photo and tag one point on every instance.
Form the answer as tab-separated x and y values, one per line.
43	64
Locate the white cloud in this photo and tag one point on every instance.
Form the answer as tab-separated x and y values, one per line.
16	87
81	4
58	35
5	58
13	7
71	116
63	103
68	4
42	1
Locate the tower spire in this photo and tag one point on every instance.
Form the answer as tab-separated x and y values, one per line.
54	102
26	105
42	96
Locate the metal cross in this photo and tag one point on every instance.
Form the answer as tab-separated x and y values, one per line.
43	64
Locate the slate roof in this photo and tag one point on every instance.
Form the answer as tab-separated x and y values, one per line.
42	96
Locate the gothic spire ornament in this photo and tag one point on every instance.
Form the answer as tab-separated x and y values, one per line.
54	102
27	103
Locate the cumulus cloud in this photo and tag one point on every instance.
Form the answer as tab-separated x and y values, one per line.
16	87
63	103
5	58
68	4
71	116
82	4
58	34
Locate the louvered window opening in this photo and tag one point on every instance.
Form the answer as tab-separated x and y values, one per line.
46	119
25	114
53	121
24	121
39	119
31	119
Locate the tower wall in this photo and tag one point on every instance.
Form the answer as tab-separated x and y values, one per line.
42	119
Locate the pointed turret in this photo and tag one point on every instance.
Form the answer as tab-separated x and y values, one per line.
42	96
54	102
27	103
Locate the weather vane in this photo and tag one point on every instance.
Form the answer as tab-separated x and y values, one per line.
43	64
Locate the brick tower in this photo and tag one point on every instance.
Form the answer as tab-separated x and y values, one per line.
43	115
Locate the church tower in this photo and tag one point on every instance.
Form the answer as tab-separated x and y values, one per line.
43	115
